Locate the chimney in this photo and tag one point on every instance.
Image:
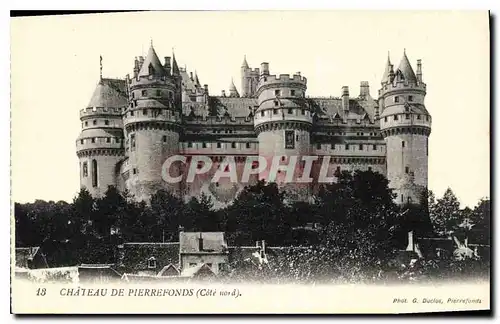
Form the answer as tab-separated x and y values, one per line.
364	89
141	61
167	65
181	229
263	249
223	93
419	70
205	86
200	243
410	241
264	68
191	76
136	67
345	98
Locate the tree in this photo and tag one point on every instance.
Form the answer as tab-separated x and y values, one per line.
199	215
168	211
446	214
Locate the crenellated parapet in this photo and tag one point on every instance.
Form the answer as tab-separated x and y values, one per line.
101	111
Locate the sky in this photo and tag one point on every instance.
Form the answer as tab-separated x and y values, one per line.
55	68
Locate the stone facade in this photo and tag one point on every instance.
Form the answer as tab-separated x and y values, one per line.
132	126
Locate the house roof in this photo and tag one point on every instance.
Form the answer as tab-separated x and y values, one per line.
136	254
406	70
167	268
199	269
213	242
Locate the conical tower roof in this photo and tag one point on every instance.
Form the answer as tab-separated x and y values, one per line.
245	63
233	92
196	80
153	61
109	93
175	67
406	70
385	77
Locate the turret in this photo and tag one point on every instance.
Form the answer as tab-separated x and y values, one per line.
345	98
249	79
406	125
283	123
100	144
152	124
233	92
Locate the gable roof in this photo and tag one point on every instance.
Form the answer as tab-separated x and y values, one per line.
200	269
213	242
168	270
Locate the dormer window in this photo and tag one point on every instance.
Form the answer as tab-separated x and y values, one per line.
151	69
152	263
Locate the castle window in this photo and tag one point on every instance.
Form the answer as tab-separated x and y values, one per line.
248	145
134	171
85	170
108	139
131	113
407	116
158	93
369	168
106	122
297	137
276	103
275	111
337	171
292	92
318	146
86	123
427	118
81	141
347	146
374	147
94	173
361	147
396	99
409	200
219	145
164	138
418	117
144	93
190	144
93	139
332	146
132	142
407	170
277	92
410	98
133	94
94	122
385	118
262	113
290	110
303	111
402	198
395	117
233	145
402	143
145	112
152	263
204	145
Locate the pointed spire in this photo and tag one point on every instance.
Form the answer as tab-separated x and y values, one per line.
245	63
175	67
406	70
233	92
152	64
387	71
196	80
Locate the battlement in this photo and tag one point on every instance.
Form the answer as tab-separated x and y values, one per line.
402	85
282	78
220	120
94	111
149	79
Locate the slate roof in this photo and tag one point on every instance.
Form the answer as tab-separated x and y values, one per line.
152	59
406	70
109	93
134	256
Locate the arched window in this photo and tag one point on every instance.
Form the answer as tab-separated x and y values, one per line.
94	173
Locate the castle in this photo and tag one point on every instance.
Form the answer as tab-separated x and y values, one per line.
132	125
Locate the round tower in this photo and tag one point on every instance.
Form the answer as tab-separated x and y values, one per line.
100	145
406	125
283	122
152	124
